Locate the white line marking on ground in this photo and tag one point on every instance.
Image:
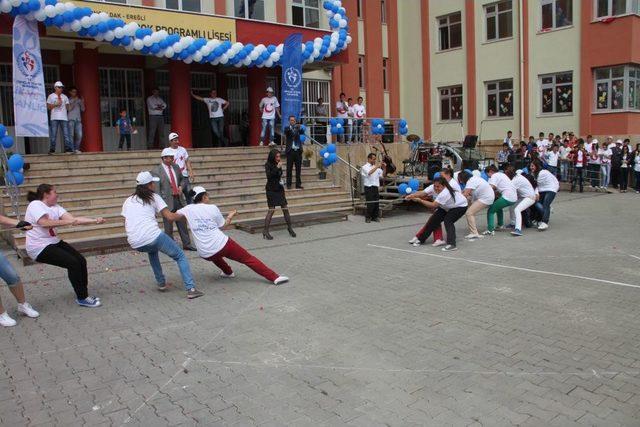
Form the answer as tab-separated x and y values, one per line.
633	256
510	267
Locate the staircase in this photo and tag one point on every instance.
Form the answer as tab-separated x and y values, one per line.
96	184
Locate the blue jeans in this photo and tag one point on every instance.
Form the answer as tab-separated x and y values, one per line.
169	247
605	170
75	128
564	170
272	129
54	125
544	205
7	272
217	127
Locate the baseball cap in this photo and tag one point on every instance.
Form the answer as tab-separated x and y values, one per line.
58	84
619	141
270	89
198	190
145	177
168	152
173	136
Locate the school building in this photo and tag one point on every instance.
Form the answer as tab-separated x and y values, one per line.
451	68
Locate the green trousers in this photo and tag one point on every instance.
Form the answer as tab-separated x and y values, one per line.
496	208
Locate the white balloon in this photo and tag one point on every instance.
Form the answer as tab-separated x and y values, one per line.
332	46
343	23
177	47
109	36
99	37
338	126
50	11
330	14
129	47
95	18
197	56
137	44
39	15
66	27
147	41
315	54
188	61
59	7
215	61
338	3
326	155
168	52
246	61
280	49
6	7
349	39
206	50
274	57
118	32
69	6
76	26
224	58
268	63
337	17
253	55
103	16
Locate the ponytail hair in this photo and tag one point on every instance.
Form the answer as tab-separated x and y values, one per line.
144	193
39	193
443	181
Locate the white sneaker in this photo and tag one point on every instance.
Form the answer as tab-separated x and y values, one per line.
416	244
280	280
438	243
542	226
412	241
472	236
450	248
78	152
489	233
27	310
223	275
261	143
5	320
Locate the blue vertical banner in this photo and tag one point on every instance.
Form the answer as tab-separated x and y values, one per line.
291	98
29	98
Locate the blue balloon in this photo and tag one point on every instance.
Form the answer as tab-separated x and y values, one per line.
333	122
402	188
126	41
525	170
50	2
326	162
404	131
78	12
436	175
303	128
331	148
484	176
414	183
34	5
92	31
323	152
82	33
115	42
102	27
15	178
23	9
58	21
303	138
15	162
403	123
7	141
154	48
333	157
3	131
140	33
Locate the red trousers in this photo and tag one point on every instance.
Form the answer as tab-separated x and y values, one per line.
235	252
437	234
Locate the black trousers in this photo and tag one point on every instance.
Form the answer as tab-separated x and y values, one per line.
449	218
579	178
372	196
125	137
615	176
294	158
624	178
64	255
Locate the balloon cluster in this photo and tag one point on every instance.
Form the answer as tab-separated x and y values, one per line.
409	188
377	126
329	155
302	131
15	163
403	127
337	126
101	27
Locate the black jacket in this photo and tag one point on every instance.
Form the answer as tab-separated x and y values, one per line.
274	175
616	157
292	134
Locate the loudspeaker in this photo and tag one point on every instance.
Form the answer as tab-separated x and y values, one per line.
387	137
470	141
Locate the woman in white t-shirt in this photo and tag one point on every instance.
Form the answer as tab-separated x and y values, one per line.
605	154
526	198
206	223
508	196
481	195
450	205
547	188
44	245
144	234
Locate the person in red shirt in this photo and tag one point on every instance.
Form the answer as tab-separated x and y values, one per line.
579	158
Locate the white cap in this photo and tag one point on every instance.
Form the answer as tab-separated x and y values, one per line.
270	89
168	152
145	177
594	141
58	84
198	190
173	136
619	141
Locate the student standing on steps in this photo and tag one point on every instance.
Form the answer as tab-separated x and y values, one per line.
144	235
11	278
206	223
181	159
44	245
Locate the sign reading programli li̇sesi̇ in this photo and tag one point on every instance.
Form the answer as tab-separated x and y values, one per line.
174	22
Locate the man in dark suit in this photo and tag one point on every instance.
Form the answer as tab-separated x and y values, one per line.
293	151
169	188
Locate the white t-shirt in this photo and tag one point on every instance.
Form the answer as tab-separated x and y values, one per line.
39	238
504	185
588	146
542	145
605	155
482	191
523	187
372	180
205	222
215	106
446	201
430	191
60	112
268	106
359	111
547	182
180	159
552	158
342	109
636	161
508	141
155	105
140	220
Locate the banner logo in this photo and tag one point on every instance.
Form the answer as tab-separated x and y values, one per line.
28	64
293	77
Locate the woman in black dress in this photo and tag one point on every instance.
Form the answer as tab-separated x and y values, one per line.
275	193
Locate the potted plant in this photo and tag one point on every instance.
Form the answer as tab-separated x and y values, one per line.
306	162
322	172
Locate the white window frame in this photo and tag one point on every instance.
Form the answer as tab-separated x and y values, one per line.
554	85
180	7
246	11
51	74
202	82
312	89
238	98
499	94
448	25
553	15
626	79
629	9
162	83
496	15
449	96
302	4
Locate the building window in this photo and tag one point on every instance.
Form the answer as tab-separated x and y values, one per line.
557	93
306	13
556	14
51	75
499	20
201	83
162	83
385	73
361	71
451	103
618	88
500	98
606	8
249	9
121	89
311	91
450	30
186	5
359	5
383	11
237	115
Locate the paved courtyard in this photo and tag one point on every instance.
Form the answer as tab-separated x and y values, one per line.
532	331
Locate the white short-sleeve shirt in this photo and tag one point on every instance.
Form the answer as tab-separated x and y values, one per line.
482	191
524	188
205	222
268	106
140	220
39	238
504	185
215	106
446	201
180	159
372	180
59	112
547	182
